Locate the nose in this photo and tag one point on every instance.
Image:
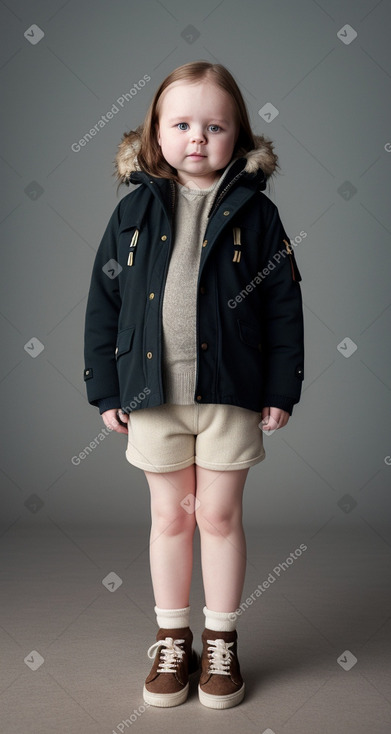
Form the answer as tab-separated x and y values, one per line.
198	137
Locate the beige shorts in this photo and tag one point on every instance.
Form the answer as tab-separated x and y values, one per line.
171	437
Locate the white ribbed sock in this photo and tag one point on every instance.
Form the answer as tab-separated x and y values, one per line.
172	618
220	621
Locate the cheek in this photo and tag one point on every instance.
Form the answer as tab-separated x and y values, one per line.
166	145
172	143
169	150
226	146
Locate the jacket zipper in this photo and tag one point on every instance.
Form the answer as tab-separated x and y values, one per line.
217	201
164	278
173	197
224	191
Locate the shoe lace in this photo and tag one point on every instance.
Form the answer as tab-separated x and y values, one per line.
219	656
170	654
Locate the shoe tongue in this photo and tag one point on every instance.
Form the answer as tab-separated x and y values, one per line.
176	633
222	635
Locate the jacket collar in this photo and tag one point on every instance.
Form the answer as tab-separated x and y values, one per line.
262	157
254	168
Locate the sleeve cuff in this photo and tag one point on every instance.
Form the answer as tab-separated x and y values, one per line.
279	401
113	401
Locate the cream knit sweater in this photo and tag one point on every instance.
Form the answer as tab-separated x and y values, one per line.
180	294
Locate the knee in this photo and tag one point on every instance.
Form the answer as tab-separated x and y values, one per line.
173	521
217	520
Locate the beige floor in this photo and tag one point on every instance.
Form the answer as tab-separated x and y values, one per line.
331	603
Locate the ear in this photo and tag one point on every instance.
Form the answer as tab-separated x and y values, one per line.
157	132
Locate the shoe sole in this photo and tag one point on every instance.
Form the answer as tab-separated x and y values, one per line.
166	699
221	702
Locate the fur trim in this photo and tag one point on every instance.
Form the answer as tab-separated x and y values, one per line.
262	156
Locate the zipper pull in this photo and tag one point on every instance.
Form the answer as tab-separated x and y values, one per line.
236	233
133	244
237	253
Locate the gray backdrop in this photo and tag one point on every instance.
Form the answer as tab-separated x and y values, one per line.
325	67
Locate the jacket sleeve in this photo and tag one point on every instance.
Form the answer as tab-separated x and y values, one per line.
101	321
282	318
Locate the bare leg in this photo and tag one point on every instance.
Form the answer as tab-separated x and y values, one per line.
171	538
223	543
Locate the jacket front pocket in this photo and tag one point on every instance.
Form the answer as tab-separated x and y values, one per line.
124	341
250	334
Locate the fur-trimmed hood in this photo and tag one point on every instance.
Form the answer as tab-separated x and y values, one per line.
261	157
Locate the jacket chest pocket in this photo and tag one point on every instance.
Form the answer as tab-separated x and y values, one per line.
124	341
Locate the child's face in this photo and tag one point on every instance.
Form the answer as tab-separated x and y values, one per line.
197	118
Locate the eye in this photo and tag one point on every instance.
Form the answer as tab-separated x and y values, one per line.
181	123
215	126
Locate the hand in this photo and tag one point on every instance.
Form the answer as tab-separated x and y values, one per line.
274	418
110	419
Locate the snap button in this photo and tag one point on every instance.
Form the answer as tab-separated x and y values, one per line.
151	296
204	346
226	213
199	397
163	237
87	372
149	355
299	372
205	242
116	350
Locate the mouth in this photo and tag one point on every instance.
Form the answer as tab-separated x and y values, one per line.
196	155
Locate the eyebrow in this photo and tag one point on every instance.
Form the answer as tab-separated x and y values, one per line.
184	117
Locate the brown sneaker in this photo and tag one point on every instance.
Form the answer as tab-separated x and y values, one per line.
221	684
174	660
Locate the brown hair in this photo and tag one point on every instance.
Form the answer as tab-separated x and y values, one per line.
149	156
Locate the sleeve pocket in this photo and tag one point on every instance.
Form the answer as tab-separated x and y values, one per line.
295	270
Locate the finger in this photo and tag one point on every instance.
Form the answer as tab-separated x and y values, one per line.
265	415
272	423
119	428
269	425
276	414
113	423
123	417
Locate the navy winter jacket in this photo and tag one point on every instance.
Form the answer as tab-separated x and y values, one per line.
250	345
